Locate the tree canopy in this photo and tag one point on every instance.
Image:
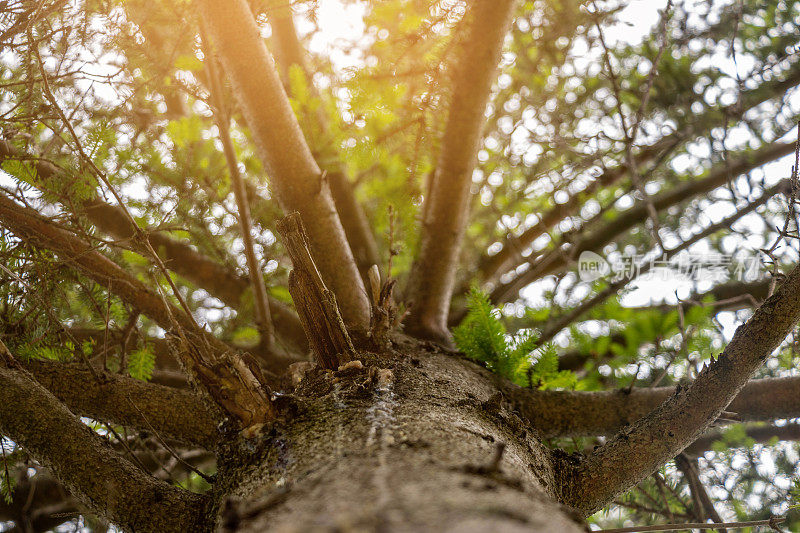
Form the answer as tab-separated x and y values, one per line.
480	154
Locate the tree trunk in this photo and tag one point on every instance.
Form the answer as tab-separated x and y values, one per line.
412	441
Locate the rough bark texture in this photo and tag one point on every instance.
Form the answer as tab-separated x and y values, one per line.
407	443
577	414
175	414
445	216
87	465
297	181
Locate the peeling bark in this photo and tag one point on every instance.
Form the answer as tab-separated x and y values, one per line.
316	305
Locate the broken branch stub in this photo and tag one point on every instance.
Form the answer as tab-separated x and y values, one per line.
315	303
233	382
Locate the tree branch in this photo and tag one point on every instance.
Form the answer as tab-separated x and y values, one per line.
297	181
232	383
222	118
315	304
175	414
289	52
430	286
575	414
729	296
508	257
703	506
759	433
556	324
39	504
640	449
87	465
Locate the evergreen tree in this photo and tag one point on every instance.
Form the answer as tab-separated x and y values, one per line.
254	278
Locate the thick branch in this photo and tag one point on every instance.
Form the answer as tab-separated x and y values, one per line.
430	288
289	53
573	414
175	414
232	383
87	465
297	181
640	449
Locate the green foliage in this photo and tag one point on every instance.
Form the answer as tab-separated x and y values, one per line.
483	337
141	363
794	493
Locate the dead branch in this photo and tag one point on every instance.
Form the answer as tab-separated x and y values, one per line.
315	304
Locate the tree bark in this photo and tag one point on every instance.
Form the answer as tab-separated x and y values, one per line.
411	442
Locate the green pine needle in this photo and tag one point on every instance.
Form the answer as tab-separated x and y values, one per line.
483	337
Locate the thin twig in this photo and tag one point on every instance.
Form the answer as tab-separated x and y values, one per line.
772	522
222	119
